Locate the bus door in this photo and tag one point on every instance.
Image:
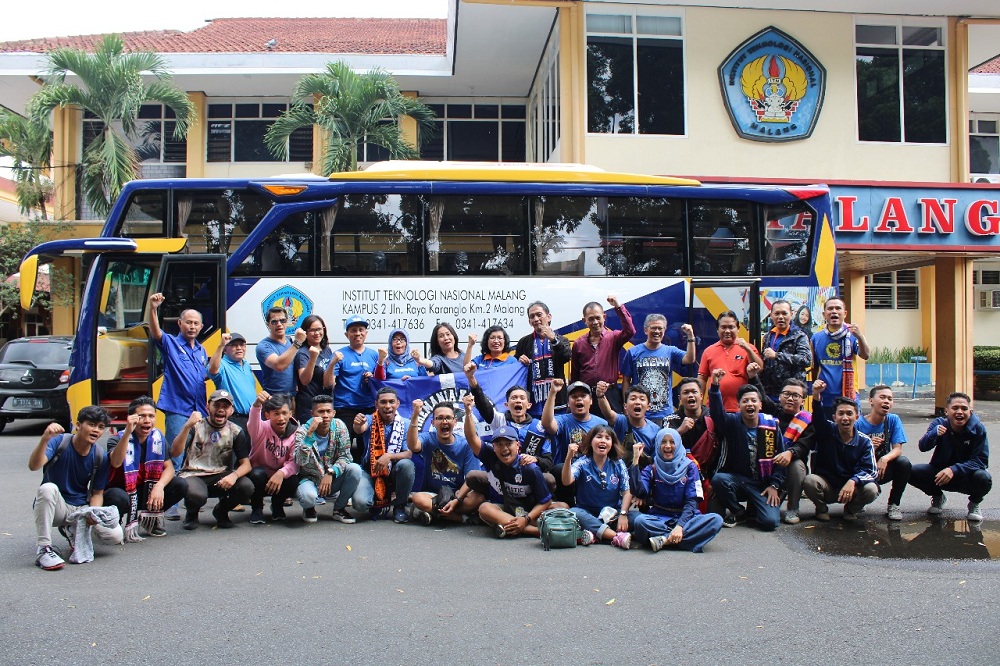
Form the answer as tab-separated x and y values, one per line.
708	298
190	281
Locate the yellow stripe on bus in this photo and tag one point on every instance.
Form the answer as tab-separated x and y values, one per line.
825	255
716	306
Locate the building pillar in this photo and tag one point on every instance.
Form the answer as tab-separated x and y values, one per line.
953	354
408	126
928	317
572	84
66	126
958	57
65	312
319	145
854	303
197	137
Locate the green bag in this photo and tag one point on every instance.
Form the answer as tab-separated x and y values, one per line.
559	528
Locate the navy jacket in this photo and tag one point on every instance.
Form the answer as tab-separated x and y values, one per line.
735	456
836	461
964	452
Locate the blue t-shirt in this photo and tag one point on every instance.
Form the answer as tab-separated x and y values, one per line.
271	380
483	362
518	485
351	390
71	473
828	354
183	389
238	379
447	366
646	435
572	431
597	487
653	370
446	464
390	446
409	369
890	430
304	393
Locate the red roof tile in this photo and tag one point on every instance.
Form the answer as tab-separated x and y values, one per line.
991	66
292	35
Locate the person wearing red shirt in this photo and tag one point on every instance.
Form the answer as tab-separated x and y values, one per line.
731	353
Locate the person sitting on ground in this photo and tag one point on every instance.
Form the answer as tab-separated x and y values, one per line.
272	447
960	458
843	464
746	472
398	361
323	454
632	426
447	461
142	477
74	475
216	461
523	492
602	491
670	485
494	349
887	435
387	463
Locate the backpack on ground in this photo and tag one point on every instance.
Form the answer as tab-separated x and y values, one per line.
559	528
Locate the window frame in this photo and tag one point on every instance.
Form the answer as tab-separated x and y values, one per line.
235	117
441	121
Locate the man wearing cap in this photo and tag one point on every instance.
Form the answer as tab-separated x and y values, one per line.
231	372
355	368
216	461
568	428
276	352
520	487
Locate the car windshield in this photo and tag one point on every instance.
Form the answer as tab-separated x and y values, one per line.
37	353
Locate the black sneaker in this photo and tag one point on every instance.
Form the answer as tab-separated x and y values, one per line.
277	511
341	516
733	519
222	520
257	516
309	515
190	520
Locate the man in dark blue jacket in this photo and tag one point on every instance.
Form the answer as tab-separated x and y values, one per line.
843	462
961	456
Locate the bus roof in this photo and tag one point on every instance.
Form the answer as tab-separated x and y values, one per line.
505	172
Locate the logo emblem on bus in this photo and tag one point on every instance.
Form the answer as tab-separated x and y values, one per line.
773	88
297	304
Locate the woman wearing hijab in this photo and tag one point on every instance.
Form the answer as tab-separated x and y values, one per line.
399	361
670	486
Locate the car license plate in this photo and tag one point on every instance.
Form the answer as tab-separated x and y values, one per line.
34	403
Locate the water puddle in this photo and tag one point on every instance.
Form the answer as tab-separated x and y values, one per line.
906	540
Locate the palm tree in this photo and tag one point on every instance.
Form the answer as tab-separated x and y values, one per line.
28	143
349	108
111	87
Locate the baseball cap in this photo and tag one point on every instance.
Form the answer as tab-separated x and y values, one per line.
237	337
505	432
577	386
221	394
355	319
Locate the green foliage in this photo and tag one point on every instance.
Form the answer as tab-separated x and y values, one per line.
111	87
986	358
28	142
15	241
900	355
349	108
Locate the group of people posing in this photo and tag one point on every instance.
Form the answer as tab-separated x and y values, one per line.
621	456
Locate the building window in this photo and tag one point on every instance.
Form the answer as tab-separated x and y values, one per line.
478	130
901	83
898	290
236	133
984	277
544	106
984	144
154	136
635	74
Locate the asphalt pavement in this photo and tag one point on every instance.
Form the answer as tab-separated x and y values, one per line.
404	594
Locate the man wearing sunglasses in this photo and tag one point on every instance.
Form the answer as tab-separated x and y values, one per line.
276	352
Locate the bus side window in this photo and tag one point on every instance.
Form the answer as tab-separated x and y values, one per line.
373	233
566	235
787	232
721	242
476	235
645	237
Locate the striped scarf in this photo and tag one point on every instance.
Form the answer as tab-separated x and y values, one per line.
141	474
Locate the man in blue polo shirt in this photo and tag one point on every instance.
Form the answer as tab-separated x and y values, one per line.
355	366
231	372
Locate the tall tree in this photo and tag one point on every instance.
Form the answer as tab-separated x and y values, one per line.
349	108
28	142
111	85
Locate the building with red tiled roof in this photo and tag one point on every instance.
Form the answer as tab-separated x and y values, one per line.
991	66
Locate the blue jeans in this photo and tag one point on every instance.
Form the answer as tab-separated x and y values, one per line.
345	484
698	531
401	478
175	422
735	488
592	523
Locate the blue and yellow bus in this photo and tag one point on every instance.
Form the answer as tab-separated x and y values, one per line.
408	244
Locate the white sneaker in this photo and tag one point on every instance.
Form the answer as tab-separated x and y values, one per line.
49	559
792	517
586	538
893	512
975	515
657	542
937	504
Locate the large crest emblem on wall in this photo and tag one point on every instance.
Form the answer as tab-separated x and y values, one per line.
773	87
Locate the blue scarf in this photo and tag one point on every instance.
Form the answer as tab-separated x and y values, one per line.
670	471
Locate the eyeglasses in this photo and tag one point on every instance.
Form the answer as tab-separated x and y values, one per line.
278	321
792	394
315	330
444	418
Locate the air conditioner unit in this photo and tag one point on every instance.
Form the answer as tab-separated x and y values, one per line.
989	299
985	178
